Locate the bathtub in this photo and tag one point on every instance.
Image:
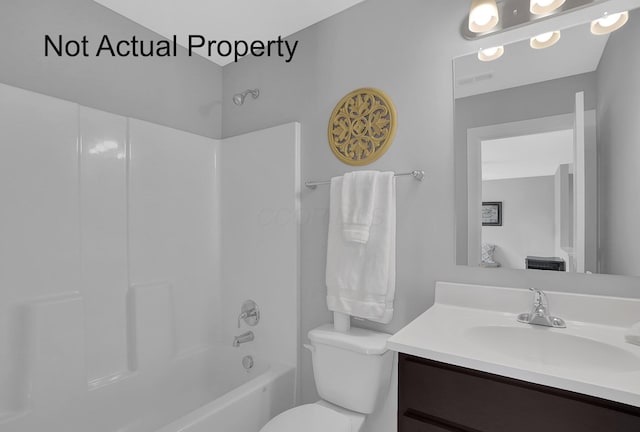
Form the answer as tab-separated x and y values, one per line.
263	394
207	391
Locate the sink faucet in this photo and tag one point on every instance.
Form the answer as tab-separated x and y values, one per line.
243	338
540	312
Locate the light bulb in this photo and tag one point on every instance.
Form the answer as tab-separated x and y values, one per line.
609	20
490	51
545	40
483	15
539	7
490	54
609	23
544	37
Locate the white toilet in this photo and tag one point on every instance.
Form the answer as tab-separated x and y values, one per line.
352	371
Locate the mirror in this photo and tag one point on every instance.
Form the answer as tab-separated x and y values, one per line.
547	151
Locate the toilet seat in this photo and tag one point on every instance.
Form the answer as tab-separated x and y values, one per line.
309	418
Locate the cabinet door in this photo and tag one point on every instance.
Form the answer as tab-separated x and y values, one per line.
410	424
479	401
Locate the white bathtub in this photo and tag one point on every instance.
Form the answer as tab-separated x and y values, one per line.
209	391
266	392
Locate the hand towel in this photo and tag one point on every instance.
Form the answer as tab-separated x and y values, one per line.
361	277
358	201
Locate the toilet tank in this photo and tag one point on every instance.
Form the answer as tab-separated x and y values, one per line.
351	369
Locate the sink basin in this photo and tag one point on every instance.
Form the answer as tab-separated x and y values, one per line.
476	327
552	347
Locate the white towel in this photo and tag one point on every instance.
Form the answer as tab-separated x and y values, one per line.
358	201
361	278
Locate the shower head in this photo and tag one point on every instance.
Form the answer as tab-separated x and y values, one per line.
239	98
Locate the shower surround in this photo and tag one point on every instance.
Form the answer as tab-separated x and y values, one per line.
126	251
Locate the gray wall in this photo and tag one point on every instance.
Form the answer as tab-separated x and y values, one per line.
380	43
619	150
528	219
548	98
394	46
180	92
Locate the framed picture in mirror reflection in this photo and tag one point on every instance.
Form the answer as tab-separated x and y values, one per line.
492	213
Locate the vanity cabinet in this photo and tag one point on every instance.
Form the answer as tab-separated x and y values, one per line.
438	397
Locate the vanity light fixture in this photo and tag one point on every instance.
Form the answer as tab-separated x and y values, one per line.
490	54
541	7
483	16
609	23
545	40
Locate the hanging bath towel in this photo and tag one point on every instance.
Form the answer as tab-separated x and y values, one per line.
361	277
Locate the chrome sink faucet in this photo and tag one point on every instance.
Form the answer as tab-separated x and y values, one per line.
540	312
243	338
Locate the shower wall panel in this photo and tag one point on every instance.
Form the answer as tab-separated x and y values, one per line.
261	237
103	216
39	220
174	226
109	251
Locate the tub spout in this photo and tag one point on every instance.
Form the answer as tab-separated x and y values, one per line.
243	338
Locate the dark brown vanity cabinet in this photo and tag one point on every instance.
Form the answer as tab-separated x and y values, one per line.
437	397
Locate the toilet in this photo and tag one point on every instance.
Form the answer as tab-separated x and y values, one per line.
352	371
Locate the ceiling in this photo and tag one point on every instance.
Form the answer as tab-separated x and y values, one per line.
231	20
578	51
527	155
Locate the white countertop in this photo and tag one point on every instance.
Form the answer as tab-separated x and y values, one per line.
476	327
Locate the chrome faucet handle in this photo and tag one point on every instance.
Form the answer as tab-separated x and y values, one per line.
243	315
540	298
539	315
250	313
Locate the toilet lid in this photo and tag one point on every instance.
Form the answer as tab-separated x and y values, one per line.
309	418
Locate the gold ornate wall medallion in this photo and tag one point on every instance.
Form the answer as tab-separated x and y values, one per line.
362	126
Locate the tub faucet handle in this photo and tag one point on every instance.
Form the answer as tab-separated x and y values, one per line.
249	313
243	315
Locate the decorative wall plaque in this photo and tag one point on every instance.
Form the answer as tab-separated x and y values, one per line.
362	126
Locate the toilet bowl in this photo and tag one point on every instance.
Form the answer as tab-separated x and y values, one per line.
317	417
352	371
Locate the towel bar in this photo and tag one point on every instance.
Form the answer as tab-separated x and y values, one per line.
416	174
